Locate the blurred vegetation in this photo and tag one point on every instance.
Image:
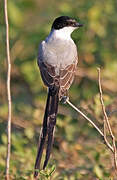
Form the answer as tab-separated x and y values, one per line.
78	152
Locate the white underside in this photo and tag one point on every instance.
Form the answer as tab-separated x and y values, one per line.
58	50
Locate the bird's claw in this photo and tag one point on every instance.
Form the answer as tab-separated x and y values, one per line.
64	99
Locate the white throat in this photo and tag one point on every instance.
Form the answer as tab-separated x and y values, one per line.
63	34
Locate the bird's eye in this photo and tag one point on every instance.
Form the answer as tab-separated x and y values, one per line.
67	24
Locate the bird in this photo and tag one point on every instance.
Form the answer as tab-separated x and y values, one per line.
57	61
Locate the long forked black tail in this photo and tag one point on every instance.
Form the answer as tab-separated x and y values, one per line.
49	123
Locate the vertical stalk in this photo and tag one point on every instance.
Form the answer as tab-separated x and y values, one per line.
8	91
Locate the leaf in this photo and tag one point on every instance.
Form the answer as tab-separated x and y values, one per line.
52	170
98	171
29	133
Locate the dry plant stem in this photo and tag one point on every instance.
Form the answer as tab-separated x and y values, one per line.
8	91
91	122
85	117
106	121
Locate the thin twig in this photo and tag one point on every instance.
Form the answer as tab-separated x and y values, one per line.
93	124
8	91
106	121
80	112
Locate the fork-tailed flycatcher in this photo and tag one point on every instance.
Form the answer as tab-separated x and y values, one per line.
57	61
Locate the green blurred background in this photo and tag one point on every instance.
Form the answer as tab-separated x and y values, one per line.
78	151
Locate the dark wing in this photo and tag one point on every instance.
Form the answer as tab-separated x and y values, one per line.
67	77
47	73
63	80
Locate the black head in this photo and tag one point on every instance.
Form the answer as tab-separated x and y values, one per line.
65	21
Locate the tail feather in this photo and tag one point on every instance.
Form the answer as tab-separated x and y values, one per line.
43	135
49	123
51	126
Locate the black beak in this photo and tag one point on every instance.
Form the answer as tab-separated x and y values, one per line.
78	25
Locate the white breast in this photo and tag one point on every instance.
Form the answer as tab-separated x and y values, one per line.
58	50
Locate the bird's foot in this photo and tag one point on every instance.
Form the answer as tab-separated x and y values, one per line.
64	99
